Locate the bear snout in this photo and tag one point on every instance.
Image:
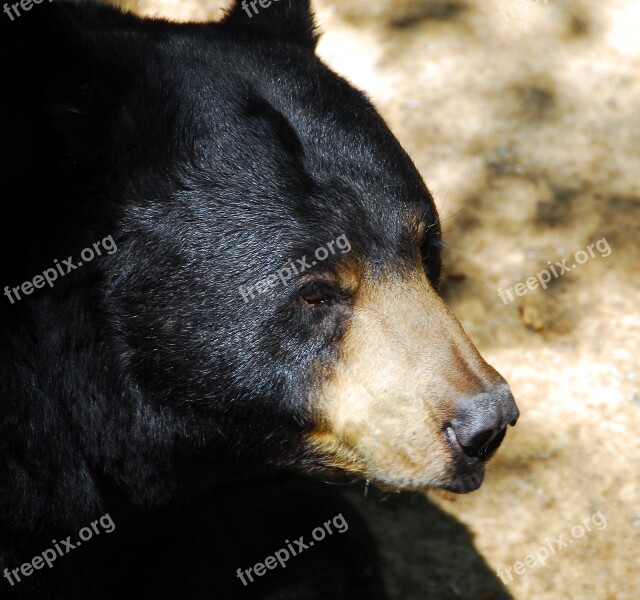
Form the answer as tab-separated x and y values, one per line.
481	421
411	404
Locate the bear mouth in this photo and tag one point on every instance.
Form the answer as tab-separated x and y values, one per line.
469	463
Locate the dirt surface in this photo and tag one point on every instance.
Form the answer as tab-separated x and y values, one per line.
522	116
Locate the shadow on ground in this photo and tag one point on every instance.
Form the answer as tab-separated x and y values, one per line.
427	554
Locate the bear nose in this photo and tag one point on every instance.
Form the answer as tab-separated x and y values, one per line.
481	421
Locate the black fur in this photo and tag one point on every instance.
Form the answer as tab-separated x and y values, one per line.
211	154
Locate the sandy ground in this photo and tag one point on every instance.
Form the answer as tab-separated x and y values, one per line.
523	117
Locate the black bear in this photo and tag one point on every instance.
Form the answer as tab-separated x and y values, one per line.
219	274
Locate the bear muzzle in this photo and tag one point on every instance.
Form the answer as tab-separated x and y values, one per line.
410	404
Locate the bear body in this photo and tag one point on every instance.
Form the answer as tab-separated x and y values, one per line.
169	329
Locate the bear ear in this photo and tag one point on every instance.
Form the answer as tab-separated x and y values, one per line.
288	19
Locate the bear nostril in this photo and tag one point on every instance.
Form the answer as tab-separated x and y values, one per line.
485	444
478	442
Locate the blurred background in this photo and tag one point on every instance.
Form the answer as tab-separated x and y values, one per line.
523	117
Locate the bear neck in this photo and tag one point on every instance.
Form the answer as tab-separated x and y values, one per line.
74	417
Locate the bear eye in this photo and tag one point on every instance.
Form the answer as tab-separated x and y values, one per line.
432	262
316	294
